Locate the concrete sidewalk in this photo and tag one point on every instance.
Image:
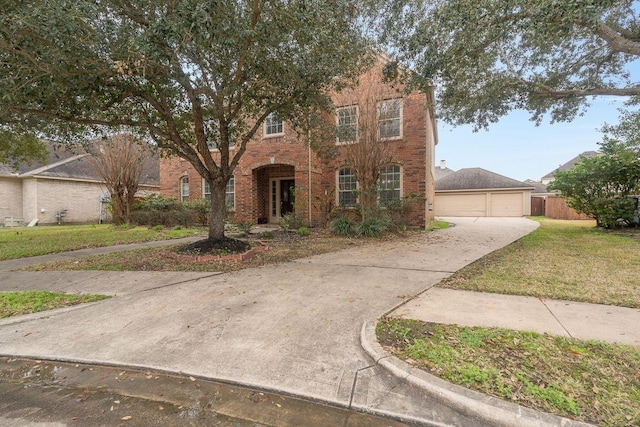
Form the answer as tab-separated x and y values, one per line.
571	319
295	328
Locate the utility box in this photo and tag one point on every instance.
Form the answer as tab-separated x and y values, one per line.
10	221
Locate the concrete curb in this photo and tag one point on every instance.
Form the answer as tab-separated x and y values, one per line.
489	410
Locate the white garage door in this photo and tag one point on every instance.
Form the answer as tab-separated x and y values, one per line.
506	204
460	204
479	204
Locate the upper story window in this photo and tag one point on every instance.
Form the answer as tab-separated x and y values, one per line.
273	125
390	119
184	189
347	186
230	192
389	183
347	124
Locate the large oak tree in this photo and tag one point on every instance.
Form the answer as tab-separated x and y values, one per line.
488	57
191	75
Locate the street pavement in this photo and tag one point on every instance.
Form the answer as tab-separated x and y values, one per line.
303	328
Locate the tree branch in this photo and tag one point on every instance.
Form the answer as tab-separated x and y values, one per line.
617	41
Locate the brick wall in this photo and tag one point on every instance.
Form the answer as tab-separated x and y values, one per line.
267	158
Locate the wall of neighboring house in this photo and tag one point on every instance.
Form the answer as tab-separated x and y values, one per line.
80	199
10	198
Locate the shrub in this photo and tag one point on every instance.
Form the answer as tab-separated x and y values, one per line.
374	226
303	231
201	209
291	221
245	227
343	226
156	210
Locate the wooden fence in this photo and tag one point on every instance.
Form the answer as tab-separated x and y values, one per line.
556	208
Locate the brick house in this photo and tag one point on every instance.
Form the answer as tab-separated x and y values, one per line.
278	168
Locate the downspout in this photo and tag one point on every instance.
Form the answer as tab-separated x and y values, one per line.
309	178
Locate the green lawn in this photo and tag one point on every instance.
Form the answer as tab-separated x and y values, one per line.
589	381
567	260
586	380
26	302
20	242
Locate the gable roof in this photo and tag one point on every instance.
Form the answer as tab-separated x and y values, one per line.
440	172
538	187
571	163
74	164
477	179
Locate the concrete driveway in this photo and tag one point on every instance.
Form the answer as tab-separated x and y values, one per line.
293	327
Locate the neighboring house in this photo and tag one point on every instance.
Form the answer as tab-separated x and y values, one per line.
548	178
64	189
554	206
279	170
442	170
478	192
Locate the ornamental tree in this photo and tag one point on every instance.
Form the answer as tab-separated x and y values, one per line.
599	186
490	57
194	76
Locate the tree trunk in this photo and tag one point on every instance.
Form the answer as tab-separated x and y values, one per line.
218	213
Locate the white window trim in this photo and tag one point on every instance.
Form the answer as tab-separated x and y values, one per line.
226	192
338	188
204	189
338	142
401	180
401	114
182	192
271	135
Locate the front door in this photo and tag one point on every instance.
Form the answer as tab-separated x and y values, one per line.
287	196
282	194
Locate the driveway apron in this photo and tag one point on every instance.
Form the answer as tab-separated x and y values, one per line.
294	327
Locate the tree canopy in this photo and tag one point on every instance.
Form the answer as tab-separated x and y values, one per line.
192	75
488	57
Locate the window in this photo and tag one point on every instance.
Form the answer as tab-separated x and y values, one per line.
184	189
390	119
347	124
347	187
206	190
273	125
389	183
230	192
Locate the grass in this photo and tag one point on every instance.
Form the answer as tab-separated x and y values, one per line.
566	260
589	381
282	246
23	242
19	303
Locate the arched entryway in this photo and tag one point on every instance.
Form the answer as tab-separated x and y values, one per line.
276	187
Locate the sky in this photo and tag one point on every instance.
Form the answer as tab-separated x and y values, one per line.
515	147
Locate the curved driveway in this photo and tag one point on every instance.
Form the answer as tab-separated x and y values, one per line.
293	327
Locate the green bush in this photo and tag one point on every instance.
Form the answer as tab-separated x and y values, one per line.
343	226
201	208
374	226
291	221
303	231
155	210
158	202
245	227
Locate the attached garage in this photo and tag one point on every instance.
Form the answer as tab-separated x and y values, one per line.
478	192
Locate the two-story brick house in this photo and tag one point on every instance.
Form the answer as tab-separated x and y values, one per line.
278	166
